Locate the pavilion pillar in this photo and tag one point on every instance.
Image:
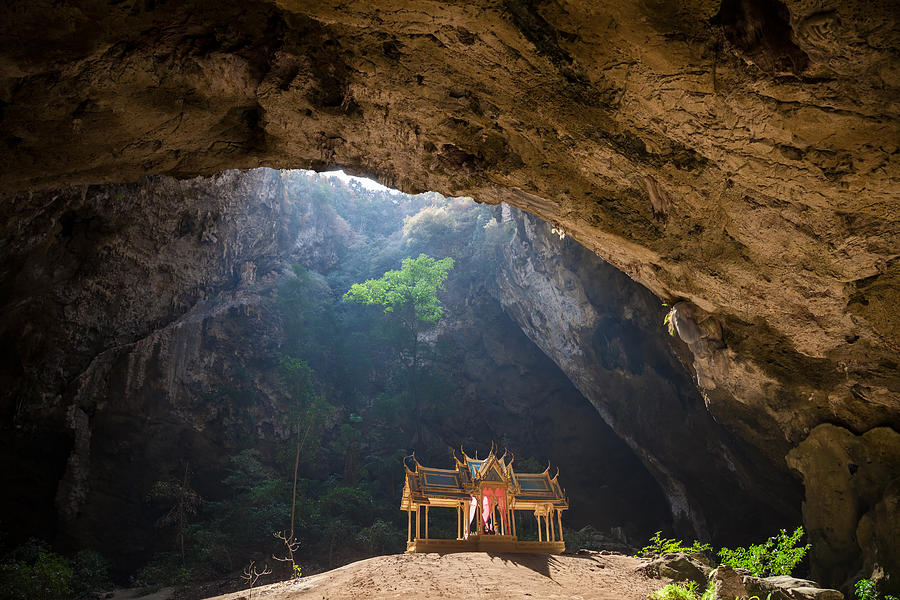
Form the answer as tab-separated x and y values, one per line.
547	527
480	513
538	519
464	523
426	521
418	522
409	525
552	526
559	520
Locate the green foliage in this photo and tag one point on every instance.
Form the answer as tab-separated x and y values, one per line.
669	321
33	572
450	226
91	572
163	569
867	590
676	591
661	545
776	556
380	537
410	292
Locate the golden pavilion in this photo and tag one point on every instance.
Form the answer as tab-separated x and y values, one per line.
491	490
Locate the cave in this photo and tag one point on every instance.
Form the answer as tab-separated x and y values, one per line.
735	161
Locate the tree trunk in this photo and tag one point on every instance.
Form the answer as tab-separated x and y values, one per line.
413	384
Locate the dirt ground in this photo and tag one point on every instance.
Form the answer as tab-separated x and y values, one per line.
473	575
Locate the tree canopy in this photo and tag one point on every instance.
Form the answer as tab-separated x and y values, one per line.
410	292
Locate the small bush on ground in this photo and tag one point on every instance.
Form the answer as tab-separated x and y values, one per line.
91	573
676	591
776	556
867	590
661	545
32	572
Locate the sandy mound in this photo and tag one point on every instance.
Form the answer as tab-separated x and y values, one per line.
472	575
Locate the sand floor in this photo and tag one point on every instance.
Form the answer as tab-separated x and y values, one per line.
471	575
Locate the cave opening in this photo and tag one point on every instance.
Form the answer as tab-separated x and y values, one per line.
178	337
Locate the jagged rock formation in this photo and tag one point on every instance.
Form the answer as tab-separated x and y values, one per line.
738	157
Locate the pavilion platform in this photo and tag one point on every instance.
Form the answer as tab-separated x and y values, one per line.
485	543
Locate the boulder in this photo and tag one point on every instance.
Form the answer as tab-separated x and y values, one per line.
681	566
729	584
783	587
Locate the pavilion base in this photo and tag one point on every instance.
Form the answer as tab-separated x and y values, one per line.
485	543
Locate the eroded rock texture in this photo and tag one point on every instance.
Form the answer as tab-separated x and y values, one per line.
737	157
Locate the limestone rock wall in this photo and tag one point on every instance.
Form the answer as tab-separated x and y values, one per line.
607	335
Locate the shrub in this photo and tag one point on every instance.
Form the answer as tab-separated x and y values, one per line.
380	538
777	556
676	591
661	545
163	569
34	573
91	572
867	590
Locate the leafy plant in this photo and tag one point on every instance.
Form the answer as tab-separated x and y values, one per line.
33	572
776	556
91	572
661	545
669	321
183	503
676	591
867	590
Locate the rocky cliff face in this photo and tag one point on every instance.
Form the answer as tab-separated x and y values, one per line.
120	303
144	338
606	334
736	157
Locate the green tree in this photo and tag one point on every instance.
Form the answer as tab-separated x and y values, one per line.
410	295
183	502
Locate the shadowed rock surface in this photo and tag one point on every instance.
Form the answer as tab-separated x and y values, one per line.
737	158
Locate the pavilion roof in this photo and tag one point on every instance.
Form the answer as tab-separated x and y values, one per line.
427	485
